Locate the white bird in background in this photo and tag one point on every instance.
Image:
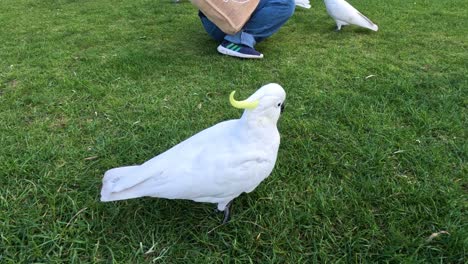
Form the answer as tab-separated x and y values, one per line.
215	165
345	14
303	3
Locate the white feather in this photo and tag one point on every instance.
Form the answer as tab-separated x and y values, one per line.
216	165
345	14
303	3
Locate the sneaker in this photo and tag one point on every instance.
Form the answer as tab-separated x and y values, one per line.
238	50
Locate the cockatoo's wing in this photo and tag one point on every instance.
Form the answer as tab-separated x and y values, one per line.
344	13
211	166
303	3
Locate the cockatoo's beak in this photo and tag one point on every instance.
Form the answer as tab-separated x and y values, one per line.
282	107
242	104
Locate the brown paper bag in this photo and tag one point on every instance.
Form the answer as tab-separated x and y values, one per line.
229	15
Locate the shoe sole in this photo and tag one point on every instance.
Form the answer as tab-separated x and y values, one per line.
232	53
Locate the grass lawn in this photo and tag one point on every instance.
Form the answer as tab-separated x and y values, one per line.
373	158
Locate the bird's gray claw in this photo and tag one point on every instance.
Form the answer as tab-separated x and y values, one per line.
227	213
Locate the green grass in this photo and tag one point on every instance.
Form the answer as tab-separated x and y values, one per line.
368	168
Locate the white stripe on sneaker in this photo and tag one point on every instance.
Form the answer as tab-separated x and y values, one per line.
229	52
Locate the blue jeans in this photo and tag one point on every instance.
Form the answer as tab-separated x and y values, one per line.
266	19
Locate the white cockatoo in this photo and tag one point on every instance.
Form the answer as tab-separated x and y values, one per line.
303	3
215	165
345	14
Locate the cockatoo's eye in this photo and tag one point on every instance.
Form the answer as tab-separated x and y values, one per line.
278	105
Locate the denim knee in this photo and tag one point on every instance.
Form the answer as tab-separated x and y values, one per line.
289	7
285	7
211	28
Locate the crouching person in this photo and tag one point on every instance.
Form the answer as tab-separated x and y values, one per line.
266	19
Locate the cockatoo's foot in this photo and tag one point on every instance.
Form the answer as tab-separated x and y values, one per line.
227	213
338	28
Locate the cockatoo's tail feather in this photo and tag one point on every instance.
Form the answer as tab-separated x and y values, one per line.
118	179
303	3
242	104
370	24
